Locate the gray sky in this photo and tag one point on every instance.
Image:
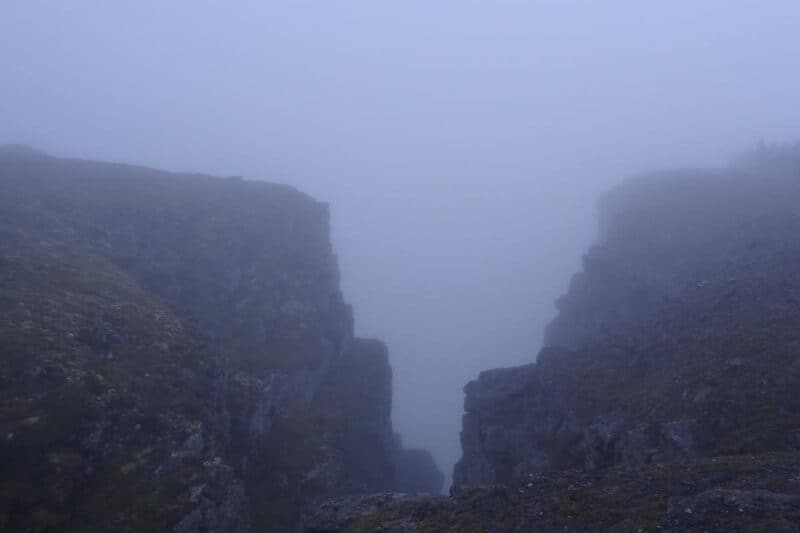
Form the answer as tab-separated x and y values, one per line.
460	143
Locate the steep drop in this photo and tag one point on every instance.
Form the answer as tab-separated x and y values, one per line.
176	355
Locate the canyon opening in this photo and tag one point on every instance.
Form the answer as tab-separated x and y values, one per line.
418	266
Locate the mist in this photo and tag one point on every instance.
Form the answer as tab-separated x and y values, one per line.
461	144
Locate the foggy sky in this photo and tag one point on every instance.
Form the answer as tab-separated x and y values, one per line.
461	144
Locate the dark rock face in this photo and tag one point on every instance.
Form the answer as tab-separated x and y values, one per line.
175	354
416	472
356	430
677	341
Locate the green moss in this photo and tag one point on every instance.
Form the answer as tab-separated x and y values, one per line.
283	460
649	514
467	523
65	458
569	509
139	460
130	502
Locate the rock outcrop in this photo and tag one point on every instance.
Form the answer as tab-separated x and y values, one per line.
416	471
677	341
175	354
721	494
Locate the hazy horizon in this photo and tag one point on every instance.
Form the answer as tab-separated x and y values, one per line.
461	145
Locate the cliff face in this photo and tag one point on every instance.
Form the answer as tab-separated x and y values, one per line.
175	353
677	341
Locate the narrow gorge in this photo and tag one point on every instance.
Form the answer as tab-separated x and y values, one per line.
666	396
176	355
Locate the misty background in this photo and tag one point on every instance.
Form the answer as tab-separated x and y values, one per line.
461	144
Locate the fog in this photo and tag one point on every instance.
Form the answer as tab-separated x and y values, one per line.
461	144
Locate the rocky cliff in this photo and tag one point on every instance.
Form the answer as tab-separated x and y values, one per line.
677	341
175	354
666	396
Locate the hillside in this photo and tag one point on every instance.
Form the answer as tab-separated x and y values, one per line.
176	355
